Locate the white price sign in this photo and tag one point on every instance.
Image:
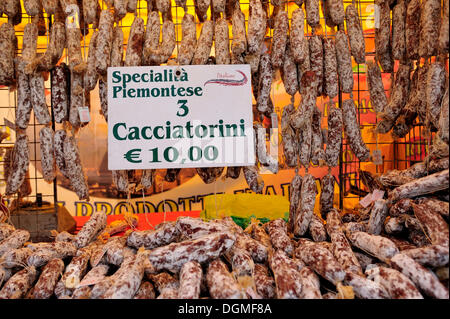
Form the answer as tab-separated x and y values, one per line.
180	116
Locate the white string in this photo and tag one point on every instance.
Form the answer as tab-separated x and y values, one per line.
19	263
144	212
128	201
164	200
222	197
215	200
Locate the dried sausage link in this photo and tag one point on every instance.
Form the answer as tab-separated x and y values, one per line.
46	139
280	33
355	33
430	18
330	80
20	160
188	40
399	30
352	131
59	92
306	206
344	62
256	26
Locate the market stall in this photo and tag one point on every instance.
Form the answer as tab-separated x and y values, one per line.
224	149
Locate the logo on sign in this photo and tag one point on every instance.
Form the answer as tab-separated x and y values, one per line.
224	79
164	117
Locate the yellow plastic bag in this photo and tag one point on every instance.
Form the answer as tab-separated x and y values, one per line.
243	207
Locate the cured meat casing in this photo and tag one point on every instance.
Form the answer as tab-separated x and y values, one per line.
430	19
174	255
444	30
46	138
365	288
317	151
383	37
378	97
344	62
90	8
221	42
316	60
378	246
204	43
38	100
239	42
189	40
18	285
397	100
412	29
378	215
91	76
422	277
74	168
50	6
265	284
221	283
336	11
334	139
135	44
321	260
277	230
7	53
90	229
24	106
330	83
20	161
190	280
297	36
396	284
307	201
15	240
150	239
127	283
294	197
317	229
435	89
59	137
312	12
399	30
340	246
424	185
326	194
265	83
48	279
289	141
105	37
352	131
287	278
355	33
256	26
30	36
279	38
59	96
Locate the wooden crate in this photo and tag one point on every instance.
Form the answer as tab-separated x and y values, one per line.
40	221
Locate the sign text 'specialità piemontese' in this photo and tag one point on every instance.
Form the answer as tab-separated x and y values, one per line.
120	81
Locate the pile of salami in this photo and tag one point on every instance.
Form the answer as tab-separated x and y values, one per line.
192	258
